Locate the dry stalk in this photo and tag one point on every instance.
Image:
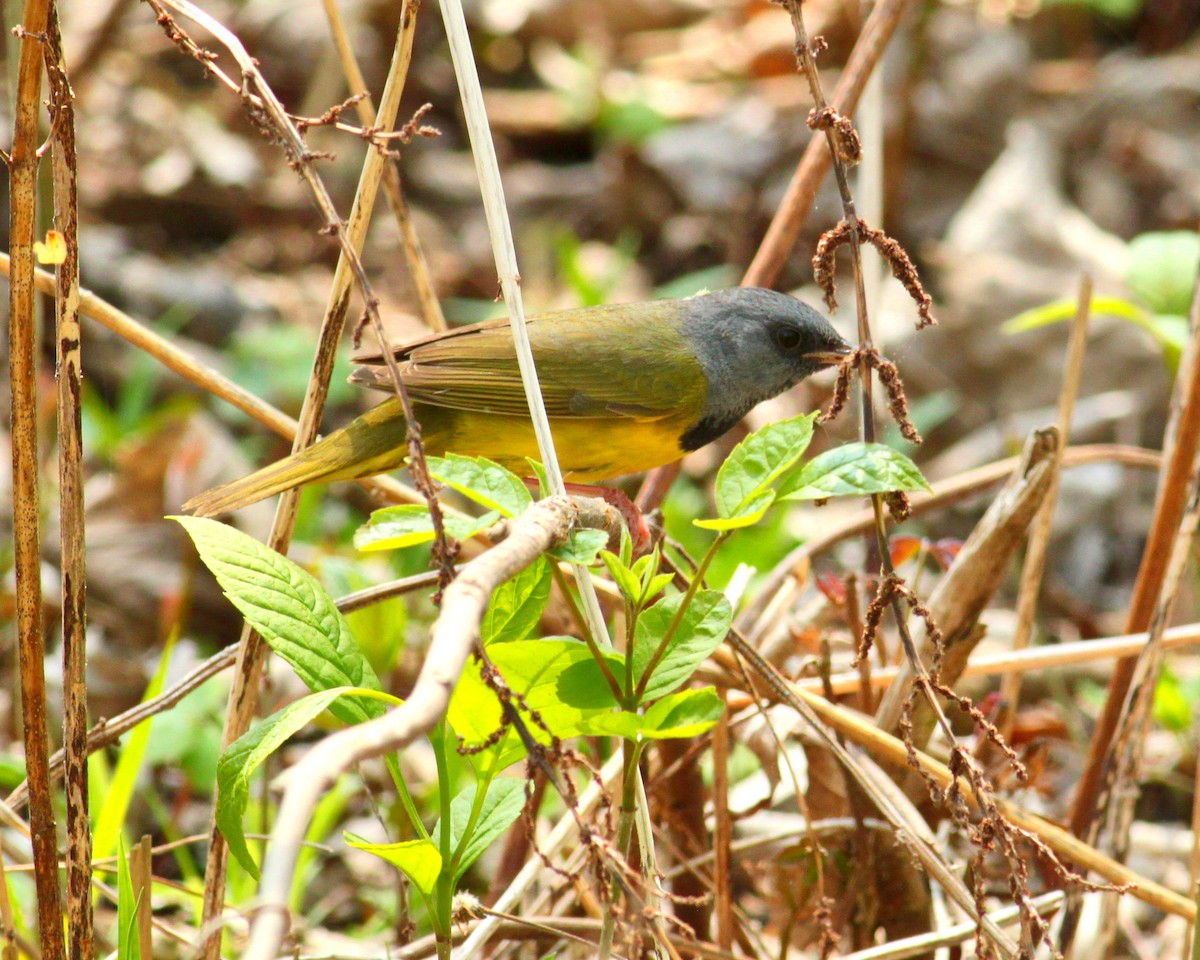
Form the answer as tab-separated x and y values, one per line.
1120	792
198	373
781	236
1179	453
23	170
414	252
1039	538
71	509
993	832
267	113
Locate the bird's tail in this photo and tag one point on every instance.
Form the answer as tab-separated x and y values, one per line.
374	443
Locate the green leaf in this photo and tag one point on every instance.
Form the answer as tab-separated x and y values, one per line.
1162	269
749	512
701	630
625	579
853	469
1171	708
501	806
419	860
409	524
1168	330
541	671
484	482
246	754
687	713
291	611
129	945
1059	311
517	604
581	546
108	821
757	462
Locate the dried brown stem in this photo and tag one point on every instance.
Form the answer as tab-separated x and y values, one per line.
197	373
781	236
71	510
1039	539
267	113
23	170
1179	452
414	252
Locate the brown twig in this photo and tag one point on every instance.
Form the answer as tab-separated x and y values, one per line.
1039	538
414	252
267	113
199	374
23	170
71	510
1179	452
781	236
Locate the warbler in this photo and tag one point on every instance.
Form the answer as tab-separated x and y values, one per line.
627	387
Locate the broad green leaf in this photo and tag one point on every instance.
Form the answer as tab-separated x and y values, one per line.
246	754
1162	269
535	669
853	469
758	461
291	611
484	482
581	546
501	806
419	860
517	604
751	510
686	713
129	946
409	524
701	630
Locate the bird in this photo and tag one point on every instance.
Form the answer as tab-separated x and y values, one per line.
627	387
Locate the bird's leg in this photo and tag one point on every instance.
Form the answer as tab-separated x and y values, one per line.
635	520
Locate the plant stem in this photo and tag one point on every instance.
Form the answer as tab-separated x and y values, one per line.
693	586
633	752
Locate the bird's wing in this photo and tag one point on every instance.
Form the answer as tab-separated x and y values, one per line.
611	363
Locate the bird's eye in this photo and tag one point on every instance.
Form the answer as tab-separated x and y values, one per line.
787	338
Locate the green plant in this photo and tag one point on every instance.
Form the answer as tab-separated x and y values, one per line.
554	687
1161	273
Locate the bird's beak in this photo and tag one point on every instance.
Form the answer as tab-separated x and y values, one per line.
830	358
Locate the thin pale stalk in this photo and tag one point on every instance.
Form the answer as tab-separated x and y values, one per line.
71	510
1039	537
722	834
23	171
487	168
1179	452
414	251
